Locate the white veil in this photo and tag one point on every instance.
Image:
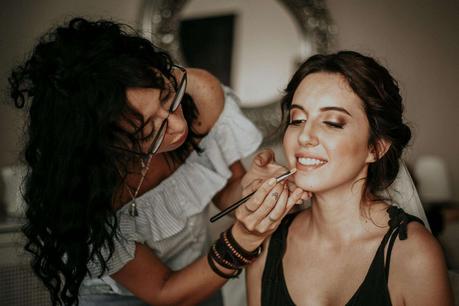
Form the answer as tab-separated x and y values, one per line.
403	193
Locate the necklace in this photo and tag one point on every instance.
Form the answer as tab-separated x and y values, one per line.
133	206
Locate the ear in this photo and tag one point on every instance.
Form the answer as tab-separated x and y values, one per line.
378	151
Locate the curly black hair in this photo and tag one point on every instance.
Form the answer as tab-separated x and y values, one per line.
73	87
382	102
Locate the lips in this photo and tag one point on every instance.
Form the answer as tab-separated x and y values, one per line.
181	138
308	162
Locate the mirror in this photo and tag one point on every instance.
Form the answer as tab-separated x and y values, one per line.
254	46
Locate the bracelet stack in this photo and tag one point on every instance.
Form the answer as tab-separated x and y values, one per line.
229	254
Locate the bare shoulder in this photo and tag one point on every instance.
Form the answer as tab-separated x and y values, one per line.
418	270
420	248
208	95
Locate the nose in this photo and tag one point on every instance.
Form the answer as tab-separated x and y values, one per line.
162	114
308	137
175	122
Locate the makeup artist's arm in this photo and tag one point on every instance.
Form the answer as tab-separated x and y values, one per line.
152	281
208	95
209	98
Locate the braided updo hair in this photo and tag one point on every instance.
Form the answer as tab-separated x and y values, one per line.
382	102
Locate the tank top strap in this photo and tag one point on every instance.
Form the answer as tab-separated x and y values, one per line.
273	288
276	248
374	289
398	227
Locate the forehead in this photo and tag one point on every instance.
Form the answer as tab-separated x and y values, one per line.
141	98
321	89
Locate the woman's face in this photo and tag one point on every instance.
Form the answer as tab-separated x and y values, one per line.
327	138
153	104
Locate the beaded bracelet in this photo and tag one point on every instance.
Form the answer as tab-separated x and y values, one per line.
222	254
244	253
221	273
229	254
235	254
222	261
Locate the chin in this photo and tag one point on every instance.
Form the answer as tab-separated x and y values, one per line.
308	185
312	183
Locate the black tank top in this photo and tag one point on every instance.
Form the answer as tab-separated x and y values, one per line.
373	290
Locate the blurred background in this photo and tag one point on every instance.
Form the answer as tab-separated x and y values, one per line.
254	46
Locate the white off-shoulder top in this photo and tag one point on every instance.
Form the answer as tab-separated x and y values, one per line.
173	217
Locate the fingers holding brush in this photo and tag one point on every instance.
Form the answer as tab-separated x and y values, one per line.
262	213
274	218
269	201
275	197
257	199
253	200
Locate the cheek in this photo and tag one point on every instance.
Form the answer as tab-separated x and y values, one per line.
183	123
290	143
180	115
177	122
348	147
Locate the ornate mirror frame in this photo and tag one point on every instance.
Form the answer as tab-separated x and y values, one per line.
160	23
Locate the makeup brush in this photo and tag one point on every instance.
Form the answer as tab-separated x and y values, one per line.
232	207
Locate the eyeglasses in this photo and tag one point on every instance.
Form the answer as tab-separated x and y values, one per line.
159	136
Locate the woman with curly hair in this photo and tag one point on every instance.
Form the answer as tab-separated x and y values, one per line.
125	151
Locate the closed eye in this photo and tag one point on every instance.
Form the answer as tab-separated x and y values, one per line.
147	138
334	124
165	95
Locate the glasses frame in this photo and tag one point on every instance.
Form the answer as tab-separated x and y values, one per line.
159	137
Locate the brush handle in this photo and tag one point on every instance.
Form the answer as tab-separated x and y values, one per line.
232	207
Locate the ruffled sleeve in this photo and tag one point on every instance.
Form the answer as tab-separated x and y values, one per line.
233	137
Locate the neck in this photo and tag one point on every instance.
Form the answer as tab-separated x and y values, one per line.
338	215
153	175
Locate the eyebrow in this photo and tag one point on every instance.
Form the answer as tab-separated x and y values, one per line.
324	109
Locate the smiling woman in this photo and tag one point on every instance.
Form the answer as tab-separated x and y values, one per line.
325	110
345	135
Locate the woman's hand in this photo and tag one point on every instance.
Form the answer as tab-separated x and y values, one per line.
260	216
262	168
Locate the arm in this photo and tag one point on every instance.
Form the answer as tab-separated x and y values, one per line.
233	189
253	277
419	270
153	282
209	98
150	280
